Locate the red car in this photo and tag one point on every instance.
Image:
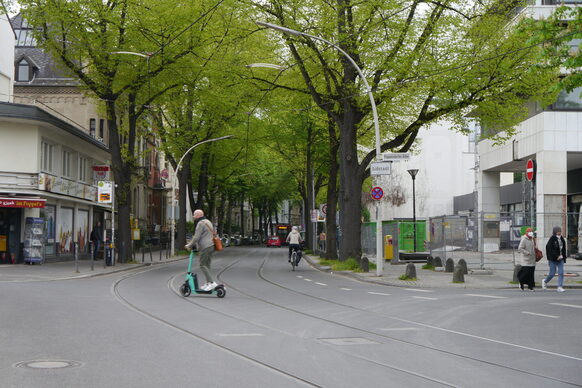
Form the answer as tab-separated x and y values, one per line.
274	241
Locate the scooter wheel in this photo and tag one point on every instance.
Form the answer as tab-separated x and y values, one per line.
220	292
185	290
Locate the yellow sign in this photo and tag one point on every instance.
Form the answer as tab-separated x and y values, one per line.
135	234
2	243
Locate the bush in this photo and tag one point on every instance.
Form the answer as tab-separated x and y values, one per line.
350	264
428	266
404	277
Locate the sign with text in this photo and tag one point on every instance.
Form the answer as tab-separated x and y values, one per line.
105	192
26	203
396	156
381	168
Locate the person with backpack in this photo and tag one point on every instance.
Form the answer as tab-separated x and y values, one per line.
556	254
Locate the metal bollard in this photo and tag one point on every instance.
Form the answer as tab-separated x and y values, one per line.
76	253
92	253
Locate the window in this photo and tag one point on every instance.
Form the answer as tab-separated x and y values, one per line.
66	165
101	128
569	101
47	151
92	123
83	167
23	71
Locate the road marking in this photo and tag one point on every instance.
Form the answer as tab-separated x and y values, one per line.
417	290
378	293
424	297
321	284
541	315
300	277
399	329
487	296
308	280
240	335
567	305
345	289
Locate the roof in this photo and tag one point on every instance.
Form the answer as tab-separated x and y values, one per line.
34	113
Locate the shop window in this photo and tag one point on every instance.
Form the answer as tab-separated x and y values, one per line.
47	154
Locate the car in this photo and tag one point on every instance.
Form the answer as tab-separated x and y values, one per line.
225	240
274	241
236	240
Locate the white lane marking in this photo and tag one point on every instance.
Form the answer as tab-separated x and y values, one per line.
399	328
378	293
345	289
567	305
240	335
487	296
300	277
541	315
424	297
308	280
321	284
417	290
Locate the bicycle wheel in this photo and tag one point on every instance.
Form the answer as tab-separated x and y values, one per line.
293	260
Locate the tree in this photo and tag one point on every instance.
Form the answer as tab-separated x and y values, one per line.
425	60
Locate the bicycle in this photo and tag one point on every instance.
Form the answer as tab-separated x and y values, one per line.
293	259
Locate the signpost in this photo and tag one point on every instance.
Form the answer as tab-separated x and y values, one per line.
381	168
106	194
530	170
530	174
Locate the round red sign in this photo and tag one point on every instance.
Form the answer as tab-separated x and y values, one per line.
530	170
377	193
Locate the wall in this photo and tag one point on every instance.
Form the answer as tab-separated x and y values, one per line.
6	59
20	153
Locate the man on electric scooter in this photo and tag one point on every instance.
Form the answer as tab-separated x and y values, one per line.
203	240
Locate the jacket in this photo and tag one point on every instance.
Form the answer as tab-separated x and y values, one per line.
203	235
294	237
526	248
553	248
96	234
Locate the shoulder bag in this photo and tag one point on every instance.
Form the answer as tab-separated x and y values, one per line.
539	254
215	239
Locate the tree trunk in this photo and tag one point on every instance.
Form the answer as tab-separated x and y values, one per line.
332	196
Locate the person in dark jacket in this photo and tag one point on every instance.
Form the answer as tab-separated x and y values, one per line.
96	238
556	254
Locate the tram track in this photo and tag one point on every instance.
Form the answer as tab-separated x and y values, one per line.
261	276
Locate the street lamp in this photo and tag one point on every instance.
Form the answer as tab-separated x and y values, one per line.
147	56
289	31
172	247
413	172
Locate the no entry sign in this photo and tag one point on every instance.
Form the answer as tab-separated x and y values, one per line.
377	193
530	170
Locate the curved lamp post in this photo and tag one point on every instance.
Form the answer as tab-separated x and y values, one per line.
413	172
289	31
172	247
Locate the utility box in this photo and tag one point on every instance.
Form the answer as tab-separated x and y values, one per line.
388	247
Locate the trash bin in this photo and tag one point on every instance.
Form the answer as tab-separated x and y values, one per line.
388	247
108	255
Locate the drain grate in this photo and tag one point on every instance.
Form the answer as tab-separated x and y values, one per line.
47	364
348	341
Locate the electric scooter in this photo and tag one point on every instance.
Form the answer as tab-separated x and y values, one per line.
191	283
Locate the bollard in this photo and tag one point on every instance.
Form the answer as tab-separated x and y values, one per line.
449	265
516	270
463	264
160	251
92	253
410	271
458	274
365	264
438	262
430	261
151	257
76	252
142	254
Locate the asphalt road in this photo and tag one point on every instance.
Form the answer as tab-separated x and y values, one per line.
278	328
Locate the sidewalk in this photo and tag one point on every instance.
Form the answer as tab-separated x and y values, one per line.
496	275
65	270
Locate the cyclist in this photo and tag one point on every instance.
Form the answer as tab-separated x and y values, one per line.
294	239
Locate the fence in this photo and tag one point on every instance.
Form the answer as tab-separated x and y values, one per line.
480	238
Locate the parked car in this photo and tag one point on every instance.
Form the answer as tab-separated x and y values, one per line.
236	240
274	241
225	240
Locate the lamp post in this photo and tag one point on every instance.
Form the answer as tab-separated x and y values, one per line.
413	172
172	247
289	31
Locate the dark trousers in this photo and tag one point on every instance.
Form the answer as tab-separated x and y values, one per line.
526	276
96	246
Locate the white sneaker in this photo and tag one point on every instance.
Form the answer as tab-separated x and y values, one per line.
544	284
211	286
204	286
560	289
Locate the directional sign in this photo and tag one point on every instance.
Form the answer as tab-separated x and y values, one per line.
530	170
396	156
377	193
381	168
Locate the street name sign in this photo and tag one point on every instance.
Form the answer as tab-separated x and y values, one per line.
380	168
395	156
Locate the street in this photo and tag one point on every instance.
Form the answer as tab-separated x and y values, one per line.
280	328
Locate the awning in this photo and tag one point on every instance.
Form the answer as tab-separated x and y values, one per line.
28	203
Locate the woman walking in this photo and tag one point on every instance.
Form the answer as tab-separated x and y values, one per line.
528	260
556	254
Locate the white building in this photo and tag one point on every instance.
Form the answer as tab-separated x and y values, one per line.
7	37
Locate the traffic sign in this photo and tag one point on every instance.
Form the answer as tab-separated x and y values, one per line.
396	156
530	170
381	168
323	209
377	193
104	191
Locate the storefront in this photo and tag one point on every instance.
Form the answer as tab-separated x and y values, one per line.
13	214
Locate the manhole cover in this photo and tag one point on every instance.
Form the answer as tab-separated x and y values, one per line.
348	341
47	364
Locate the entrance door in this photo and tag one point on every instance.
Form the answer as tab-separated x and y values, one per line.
10	236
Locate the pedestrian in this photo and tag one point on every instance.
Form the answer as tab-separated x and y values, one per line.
556	254
202	239
322	238
528	260
96	238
